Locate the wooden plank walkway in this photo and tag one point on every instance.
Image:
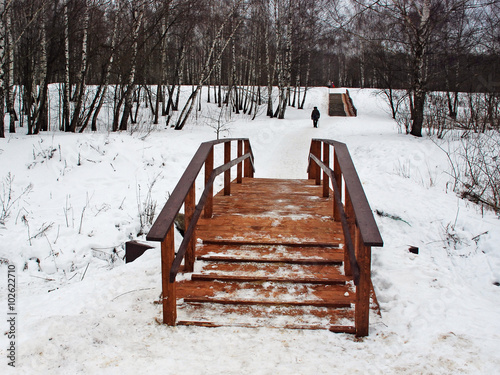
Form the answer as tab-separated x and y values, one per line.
271	256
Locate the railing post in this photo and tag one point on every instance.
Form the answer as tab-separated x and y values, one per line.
315	169
362	309
338	177
248	164
351	223
227	174
239	167
209	167
189	207
168	288
326	180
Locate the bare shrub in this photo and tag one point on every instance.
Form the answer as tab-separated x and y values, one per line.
146	208
8	197
480	181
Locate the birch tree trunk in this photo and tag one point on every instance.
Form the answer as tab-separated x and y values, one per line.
419	93
76	120
9	55
102	90
139	13
209	66
2	75
66	85
41	116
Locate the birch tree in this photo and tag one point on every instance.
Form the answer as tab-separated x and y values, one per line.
9	67
138	14
2	73
66	84
77	118
209	65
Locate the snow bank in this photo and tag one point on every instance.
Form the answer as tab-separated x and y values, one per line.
82	310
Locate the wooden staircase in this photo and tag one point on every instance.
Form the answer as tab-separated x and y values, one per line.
269	252
269	257
340	104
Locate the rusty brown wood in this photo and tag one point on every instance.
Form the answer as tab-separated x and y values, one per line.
362	308
227	174
239	168
168	288
348	237
317	170
209	167
337	172
248	169
331	304
364	216
189	207
326	160
335	328
351	223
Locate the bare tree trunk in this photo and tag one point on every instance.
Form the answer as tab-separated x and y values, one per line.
209	66
308	70
420	93
77	118
139	13
270	71
9	63
42	101
66	87
2	75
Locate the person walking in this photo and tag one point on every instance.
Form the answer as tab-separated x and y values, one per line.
315	116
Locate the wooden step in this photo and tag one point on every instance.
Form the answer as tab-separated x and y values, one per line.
265	230
271	316
225	301
265	278
270	253
277	272
331	328
266	291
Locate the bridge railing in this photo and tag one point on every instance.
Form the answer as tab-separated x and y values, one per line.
351	208
185	194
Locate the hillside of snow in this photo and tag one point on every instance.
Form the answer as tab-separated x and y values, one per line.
75	200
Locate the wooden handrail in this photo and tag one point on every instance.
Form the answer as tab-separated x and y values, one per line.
343	219
188	233
162	229
362	211
166	218
358	224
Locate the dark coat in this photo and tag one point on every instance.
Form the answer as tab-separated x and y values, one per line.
315	114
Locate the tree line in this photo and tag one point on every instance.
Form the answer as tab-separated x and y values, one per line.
244	51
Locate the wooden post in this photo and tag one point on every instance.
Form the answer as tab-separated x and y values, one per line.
351	222
338	177
248	164
362	310
209	166
227	174
326	179
168	288
315	170
189	207
239	168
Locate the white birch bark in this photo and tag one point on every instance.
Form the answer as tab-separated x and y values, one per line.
76	119
66	85
139	13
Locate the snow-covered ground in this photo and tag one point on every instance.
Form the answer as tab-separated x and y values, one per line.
81	310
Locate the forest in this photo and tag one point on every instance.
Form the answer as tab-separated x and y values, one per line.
248	53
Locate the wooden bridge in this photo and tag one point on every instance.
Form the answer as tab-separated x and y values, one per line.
269	252
340	104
